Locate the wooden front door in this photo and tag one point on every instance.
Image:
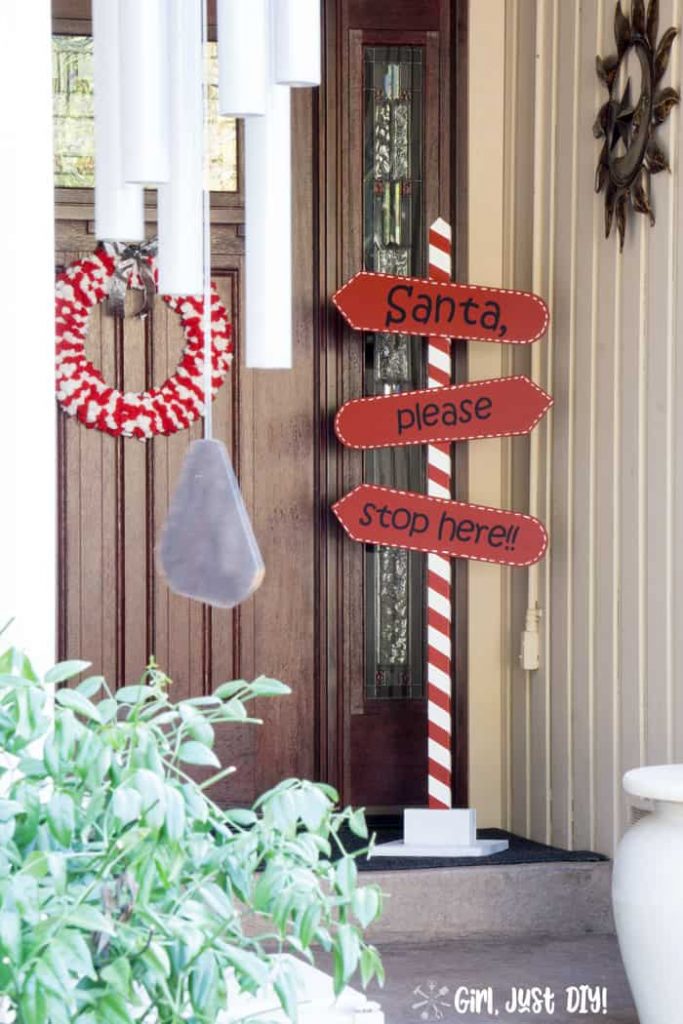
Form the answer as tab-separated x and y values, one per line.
114	607
314	621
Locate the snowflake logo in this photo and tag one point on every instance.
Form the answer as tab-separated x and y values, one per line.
431	1000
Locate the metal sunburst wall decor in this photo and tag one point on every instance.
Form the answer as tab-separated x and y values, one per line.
630	154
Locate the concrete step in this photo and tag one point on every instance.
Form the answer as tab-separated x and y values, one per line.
439	904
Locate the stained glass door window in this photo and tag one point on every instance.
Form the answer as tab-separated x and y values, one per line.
74	124
394	243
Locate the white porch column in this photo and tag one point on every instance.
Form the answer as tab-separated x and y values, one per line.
486	153
27	402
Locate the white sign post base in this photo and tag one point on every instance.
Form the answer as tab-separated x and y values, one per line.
440	833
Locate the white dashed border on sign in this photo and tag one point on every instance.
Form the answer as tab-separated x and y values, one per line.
438	393
429	331
375	488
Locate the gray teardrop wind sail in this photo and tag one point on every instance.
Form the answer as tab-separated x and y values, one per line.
208	550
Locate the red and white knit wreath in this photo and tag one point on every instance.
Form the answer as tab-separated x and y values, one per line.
81	388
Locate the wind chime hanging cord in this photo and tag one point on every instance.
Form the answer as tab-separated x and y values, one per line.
208	411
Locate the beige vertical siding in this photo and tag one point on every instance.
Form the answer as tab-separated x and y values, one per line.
609	693
486	204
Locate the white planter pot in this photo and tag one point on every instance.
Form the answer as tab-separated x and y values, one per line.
317	1003
647	894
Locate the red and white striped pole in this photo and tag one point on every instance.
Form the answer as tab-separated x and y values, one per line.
439	580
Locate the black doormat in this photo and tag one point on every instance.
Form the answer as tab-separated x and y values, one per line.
520	851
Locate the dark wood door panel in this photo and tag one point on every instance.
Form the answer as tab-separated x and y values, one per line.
388	757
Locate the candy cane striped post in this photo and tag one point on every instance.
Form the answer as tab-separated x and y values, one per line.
439	582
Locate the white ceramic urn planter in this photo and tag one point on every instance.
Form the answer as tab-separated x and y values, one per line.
647	894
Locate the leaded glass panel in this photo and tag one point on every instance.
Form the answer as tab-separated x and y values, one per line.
394	243
74	126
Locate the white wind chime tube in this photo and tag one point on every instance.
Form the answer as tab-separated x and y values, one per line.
144	87
297	42
243	58
181	199
119	207
266	46
268	205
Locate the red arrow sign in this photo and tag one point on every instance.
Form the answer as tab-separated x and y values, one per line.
409	305
401	519
484	408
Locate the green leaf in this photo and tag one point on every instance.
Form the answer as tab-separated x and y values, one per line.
36	864
107	709
366	903
28	822
234	711
76	702
309	924
61	817
329	791
240	817
193	752
77	948
90	919
113	1009
90	686
65	670
195	802
153	793
49	979
282	810
371	966
358	824
135	694
197	726
285	990
67	731
210	701
32	768
264	687
156	960
175	814
346	875
32	1003
313	807
227	690
16	662
126	805
59	1011
346	955
26	895
118	975
217	900
9	809
57	867
10	935
247	964
204	986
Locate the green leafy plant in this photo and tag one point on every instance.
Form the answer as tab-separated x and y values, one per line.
126	893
